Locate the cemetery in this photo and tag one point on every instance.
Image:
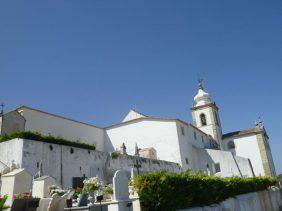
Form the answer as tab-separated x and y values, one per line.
149	191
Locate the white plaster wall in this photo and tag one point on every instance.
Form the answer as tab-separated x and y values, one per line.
208	129
227	163
82	162
247	147
244	166
187	141
259	201
161	135
11	151
60	161
56	126
132	115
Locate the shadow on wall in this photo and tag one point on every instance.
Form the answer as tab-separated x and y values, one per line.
108	146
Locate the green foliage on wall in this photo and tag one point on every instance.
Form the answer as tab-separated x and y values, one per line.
114	155
172	191
35	136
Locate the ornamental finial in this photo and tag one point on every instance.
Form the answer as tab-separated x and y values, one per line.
200	84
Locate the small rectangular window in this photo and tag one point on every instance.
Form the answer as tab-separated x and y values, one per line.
187	161
217	167
202	139
182	131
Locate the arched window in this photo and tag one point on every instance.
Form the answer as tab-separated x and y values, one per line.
231	145
203	119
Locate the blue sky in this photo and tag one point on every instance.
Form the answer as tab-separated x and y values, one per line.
93	60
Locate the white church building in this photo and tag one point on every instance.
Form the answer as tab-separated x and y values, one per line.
144	143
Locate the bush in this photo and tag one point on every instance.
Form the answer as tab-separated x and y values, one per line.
171	191
35	136
114	155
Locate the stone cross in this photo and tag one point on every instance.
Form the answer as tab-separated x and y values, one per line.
137	166
123	149
120	186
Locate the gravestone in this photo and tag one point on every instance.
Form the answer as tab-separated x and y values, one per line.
16	182
41	185
120	186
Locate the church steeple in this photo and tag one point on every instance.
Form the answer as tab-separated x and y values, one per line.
202	97
205	114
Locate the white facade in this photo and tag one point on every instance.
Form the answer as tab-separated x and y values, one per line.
199	147
247	147
46	124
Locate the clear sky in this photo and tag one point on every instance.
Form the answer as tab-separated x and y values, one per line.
93	60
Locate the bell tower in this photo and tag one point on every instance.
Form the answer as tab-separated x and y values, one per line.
205	114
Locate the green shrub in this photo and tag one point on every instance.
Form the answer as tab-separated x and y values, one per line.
114	155
171	191
35	136
2	203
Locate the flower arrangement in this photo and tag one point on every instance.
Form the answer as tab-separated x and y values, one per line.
2	203
108	189
92	184
55	189
25	195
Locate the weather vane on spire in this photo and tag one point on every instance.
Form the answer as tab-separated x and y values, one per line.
200	83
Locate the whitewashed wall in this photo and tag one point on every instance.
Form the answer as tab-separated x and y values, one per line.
82	162
227	163
247	146
268	200
187	142
10	151
161	135
68	129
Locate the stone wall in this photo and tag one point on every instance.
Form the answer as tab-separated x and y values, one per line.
258	201
64	162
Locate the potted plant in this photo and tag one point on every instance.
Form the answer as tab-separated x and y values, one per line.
25	201
108	191
2	203
91	186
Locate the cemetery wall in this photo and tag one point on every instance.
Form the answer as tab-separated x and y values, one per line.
10	151
259	201
64	162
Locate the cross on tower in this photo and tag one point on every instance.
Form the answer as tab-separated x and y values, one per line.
200	83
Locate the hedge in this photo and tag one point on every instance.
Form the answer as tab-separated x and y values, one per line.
172	191
35	136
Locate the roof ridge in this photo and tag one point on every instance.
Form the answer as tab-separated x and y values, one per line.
56	115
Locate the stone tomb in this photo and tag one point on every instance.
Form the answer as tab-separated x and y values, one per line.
17	181
41	185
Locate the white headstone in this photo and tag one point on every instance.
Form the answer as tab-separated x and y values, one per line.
120	186
16	182
41	185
